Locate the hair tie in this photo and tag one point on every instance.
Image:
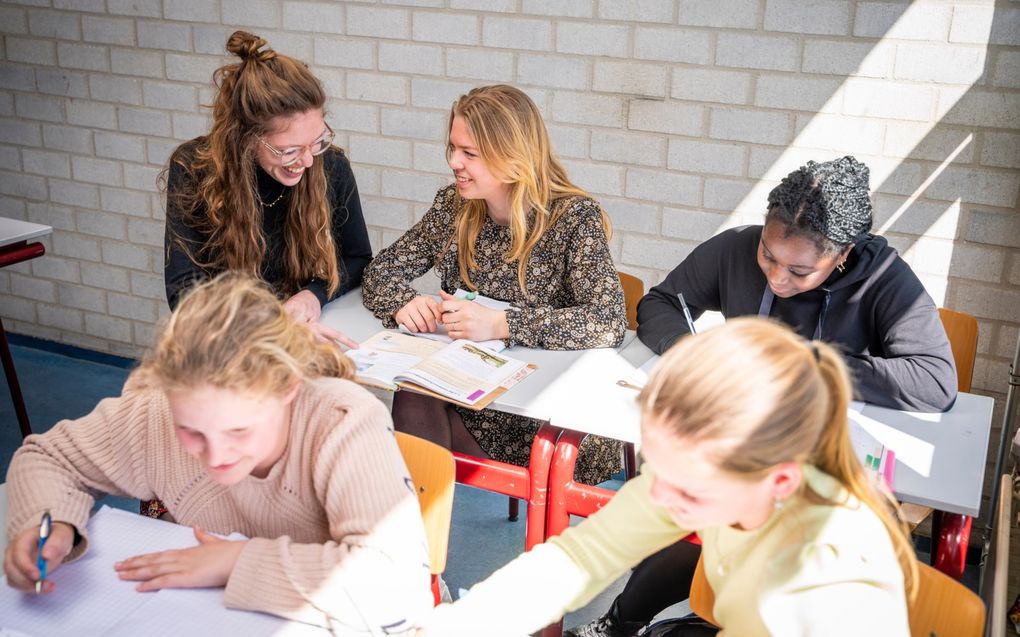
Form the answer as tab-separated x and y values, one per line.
814	350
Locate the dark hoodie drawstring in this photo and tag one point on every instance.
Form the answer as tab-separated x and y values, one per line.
821	314
765	308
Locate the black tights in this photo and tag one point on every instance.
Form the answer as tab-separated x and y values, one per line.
434	420
659	581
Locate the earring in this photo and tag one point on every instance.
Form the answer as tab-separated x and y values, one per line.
841	267
777	503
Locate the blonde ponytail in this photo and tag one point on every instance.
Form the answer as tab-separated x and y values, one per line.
834	454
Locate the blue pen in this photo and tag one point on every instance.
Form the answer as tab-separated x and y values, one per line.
44	534
687	313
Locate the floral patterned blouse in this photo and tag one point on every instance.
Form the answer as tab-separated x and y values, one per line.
573	301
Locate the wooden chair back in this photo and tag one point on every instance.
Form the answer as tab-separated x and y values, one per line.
432	472
945	607
702	596
633	290
962	330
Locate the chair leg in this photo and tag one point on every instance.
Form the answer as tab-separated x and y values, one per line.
950	537
437	596
12	384
513	509
629	460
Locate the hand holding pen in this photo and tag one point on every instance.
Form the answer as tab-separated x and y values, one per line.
35	553
40	562
465	319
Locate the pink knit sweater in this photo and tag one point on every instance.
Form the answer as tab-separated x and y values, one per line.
337	538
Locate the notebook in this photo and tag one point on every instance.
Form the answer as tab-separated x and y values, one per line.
91	600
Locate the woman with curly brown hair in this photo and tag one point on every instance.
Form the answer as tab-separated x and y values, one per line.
266	192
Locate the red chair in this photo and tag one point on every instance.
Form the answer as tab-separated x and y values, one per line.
633	290
529	483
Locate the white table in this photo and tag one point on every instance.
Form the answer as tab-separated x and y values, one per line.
941	456
15	231
544	393
15	248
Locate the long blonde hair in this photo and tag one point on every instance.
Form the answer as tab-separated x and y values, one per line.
233	333
264	85
512	140
770	397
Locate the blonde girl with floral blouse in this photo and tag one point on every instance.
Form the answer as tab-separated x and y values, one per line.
515	228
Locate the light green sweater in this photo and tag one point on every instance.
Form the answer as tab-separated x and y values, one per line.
811	569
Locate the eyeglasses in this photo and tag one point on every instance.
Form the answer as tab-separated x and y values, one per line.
288	156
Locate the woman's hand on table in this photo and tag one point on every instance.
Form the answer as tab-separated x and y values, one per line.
331	335
20	556
304	307
207	565
421	314
473	321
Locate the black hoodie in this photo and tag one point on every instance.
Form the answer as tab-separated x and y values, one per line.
876	312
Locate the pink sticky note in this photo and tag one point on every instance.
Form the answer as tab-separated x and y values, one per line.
889	471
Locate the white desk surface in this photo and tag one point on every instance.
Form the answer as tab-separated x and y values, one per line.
570	389
941	457
15	230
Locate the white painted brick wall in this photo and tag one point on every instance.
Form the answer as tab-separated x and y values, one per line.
435	26
673	45
822	17
679	115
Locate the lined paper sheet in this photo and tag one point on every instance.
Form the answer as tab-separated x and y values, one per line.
91	599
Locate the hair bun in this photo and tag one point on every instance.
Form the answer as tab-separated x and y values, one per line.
246	46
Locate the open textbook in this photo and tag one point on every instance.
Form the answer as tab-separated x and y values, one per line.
462	372
91	600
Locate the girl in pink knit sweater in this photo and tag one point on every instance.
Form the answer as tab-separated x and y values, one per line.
239	420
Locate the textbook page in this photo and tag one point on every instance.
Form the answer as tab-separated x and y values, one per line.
465	372
381	358
92	600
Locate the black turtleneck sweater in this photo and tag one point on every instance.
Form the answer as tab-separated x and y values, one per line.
348	225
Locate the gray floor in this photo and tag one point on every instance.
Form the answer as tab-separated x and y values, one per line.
58	386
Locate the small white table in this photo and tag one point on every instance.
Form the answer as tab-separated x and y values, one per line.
15	248
550	391
941	457
13	231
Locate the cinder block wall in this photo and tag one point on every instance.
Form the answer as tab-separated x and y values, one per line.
679	115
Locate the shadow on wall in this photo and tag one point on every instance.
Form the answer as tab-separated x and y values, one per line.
945	191
943	169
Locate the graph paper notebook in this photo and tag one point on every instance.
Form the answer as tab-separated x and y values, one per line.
91	600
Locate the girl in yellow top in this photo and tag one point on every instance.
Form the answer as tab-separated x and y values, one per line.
745	433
